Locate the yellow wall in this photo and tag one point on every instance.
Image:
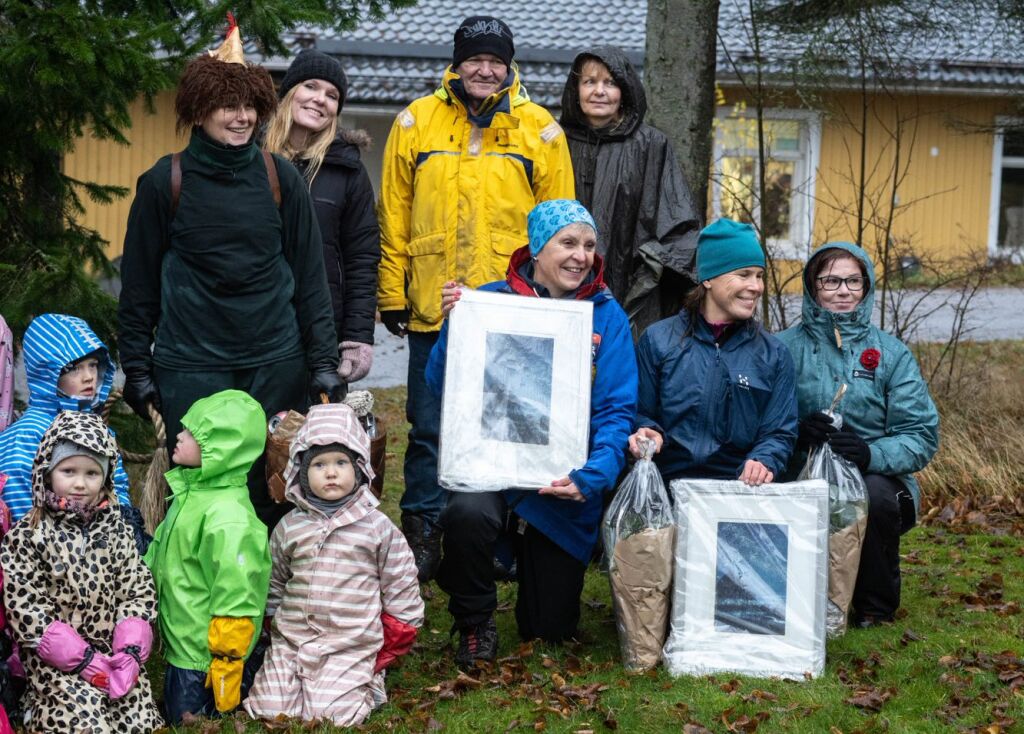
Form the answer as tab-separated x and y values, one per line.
943	206
944	198
105	162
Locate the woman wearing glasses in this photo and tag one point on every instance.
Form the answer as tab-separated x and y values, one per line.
890	425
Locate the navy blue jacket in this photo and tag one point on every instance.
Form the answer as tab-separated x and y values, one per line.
573	526
716	405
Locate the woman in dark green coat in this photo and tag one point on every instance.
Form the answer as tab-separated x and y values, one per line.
890	424
223	282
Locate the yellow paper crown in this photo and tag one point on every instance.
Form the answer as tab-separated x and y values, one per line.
231	51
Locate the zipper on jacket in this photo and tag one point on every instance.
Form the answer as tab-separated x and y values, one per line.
706	438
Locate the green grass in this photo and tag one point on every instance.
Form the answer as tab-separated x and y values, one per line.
943	666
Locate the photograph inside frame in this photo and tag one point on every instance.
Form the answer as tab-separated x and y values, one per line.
750	579
516	405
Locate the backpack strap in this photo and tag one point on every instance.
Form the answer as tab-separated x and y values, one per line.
175	183
275	184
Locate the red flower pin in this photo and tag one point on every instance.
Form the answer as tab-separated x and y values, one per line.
870	358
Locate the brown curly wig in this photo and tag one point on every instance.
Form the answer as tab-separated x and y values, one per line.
207	84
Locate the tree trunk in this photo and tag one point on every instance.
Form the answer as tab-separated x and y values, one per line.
679	74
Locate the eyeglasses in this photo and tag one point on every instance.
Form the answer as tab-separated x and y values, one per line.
832	283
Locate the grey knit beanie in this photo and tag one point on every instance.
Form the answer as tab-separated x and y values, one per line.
313	64
65	449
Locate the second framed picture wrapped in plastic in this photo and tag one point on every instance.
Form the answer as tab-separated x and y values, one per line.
516	407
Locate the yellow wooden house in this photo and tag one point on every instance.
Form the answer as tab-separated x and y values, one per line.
943	133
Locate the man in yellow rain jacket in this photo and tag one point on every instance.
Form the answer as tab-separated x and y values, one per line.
462	168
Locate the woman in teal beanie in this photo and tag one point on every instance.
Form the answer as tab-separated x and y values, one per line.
717	392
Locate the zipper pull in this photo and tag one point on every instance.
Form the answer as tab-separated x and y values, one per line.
839	337
718	353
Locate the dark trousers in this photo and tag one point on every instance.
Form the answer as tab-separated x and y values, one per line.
185	690
277	386
550	580
423	495
890	514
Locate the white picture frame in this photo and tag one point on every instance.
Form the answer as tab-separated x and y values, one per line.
515	413
750	580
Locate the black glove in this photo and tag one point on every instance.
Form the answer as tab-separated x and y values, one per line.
851	447
140	391
395	321
814	430
327	383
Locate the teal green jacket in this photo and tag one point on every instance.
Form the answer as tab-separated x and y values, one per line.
210	556
888	406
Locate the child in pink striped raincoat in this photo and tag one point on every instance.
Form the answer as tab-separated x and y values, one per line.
344	599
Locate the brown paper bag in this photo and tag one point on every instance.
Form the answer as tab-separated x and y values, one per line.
641	581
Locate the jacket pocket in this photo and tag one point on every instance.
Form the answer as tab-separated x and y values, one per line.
503	244
427	272
746	399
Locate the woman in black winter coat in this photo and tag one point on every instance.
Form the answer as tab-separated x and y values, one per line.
305	130
628	177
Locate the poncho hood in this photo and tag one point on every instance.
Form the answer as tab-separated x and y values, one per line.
633	103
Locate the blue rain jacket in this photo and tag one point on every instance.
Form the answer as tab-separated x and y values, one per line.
888	406
716	405
51	341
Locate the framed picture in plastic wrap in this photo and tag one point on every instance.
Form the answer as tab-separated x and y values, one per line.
751	576
516	405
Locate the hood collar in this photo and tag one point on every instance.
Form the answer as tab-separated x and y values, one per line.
633	104
327	424
52	341
84	429
231	430
520	270
511	94
824	324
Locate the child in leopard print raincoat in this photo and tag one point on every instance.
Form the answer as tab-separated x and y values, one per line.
79	598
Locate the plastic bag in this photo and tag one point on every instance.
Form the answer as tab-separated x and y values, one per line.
751	571
847	522
639	534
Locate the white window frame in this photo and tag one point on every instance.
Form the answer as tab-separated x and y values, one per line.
998	163
799	245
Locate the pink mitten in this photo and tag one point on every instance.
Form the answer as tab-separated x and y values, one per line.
133	641
124	674
356	360
63	648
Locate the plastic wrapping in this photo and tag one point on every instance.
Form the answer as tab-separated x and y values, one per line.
638	532
847	523
750	579
516	406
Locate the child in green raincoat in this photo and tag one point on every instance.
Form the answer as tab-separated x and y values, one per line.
210	557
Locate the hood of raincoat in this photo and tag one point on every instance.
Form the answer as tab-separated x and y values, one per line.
327	424
85	429
231	430
510	94
822	323
633	103
51	342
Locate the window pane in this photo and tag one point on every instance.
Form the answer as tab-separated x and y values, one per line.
737	188
1011	208
1013	144
778	198
739	135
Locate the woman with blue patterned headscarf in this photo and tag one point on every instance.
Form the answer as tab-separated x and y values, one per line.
553	531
